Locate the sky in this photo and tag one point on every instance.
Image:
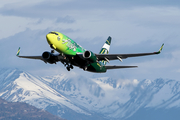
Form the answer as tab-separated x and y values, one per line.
135	27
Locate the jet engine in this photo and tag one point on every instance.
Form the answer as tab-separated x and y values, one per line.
90	56
49	57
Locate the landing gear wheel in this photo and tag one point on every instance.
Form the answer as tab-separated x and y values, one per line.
71	66
68	68
85	68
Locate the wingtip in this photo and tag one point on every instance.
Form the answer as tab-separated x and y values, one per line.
17	54
161	48
163	44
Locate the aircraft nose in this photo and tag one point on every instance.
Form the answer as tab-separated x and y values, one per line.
49	38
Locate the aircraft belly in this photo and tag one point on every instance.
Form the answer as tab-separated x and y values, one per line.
76	61
91	67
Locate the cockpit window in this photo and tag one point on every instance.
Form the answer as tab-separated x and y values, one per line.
54	33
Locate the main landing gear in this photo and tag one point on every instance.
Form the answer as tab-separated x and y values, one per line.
85	68
69	67
66	64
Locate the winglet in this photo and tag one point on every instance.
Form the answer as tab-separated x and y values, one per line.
160	49
17	54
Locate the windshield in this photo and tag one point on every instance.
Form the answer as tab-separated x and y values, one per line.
54	33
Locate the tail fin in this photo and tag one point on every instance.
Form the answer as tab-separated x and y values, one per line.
105	48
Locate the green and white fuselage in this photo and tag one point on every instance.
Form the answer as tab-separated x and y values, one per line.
75	54
72	54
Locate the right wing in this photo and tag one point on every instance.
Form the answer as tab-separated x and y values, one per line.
29	57
48	57
32	57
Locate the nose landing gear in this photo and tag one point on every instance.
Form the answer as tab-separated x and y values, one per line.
52	51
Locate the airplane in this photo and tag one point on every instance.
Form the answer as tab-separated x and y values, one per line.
72	54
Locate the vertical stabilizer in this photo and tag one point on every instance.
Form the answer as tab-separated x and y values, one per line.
106	46
105	49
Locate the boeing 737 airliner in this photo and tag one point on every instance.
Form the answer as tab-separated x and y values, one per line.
72	54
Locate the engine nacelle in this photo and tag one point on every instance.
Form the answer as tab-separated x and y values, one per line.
90	56
49	57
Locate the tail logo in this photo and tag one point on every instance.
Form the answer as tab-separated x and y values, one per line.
104	51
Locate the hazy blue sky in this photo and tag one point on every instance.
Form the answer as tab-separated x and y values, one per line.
135	26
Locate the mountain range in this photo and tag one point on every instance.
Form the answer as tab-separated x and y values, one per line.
81	98
23	111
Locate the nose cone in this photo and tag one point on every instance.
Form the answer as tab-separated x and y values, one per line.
49	38
52	40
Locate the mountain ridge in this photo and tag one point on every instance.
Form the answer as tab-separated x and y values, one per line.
89	98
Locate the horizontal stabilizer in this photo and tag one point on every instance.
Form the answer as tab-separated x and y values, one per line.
117	67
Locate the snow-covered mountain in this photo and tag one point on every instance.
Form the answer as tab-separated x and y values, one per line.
78	97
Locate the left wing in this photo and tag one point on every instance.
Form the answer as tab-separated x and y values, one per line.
108	57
